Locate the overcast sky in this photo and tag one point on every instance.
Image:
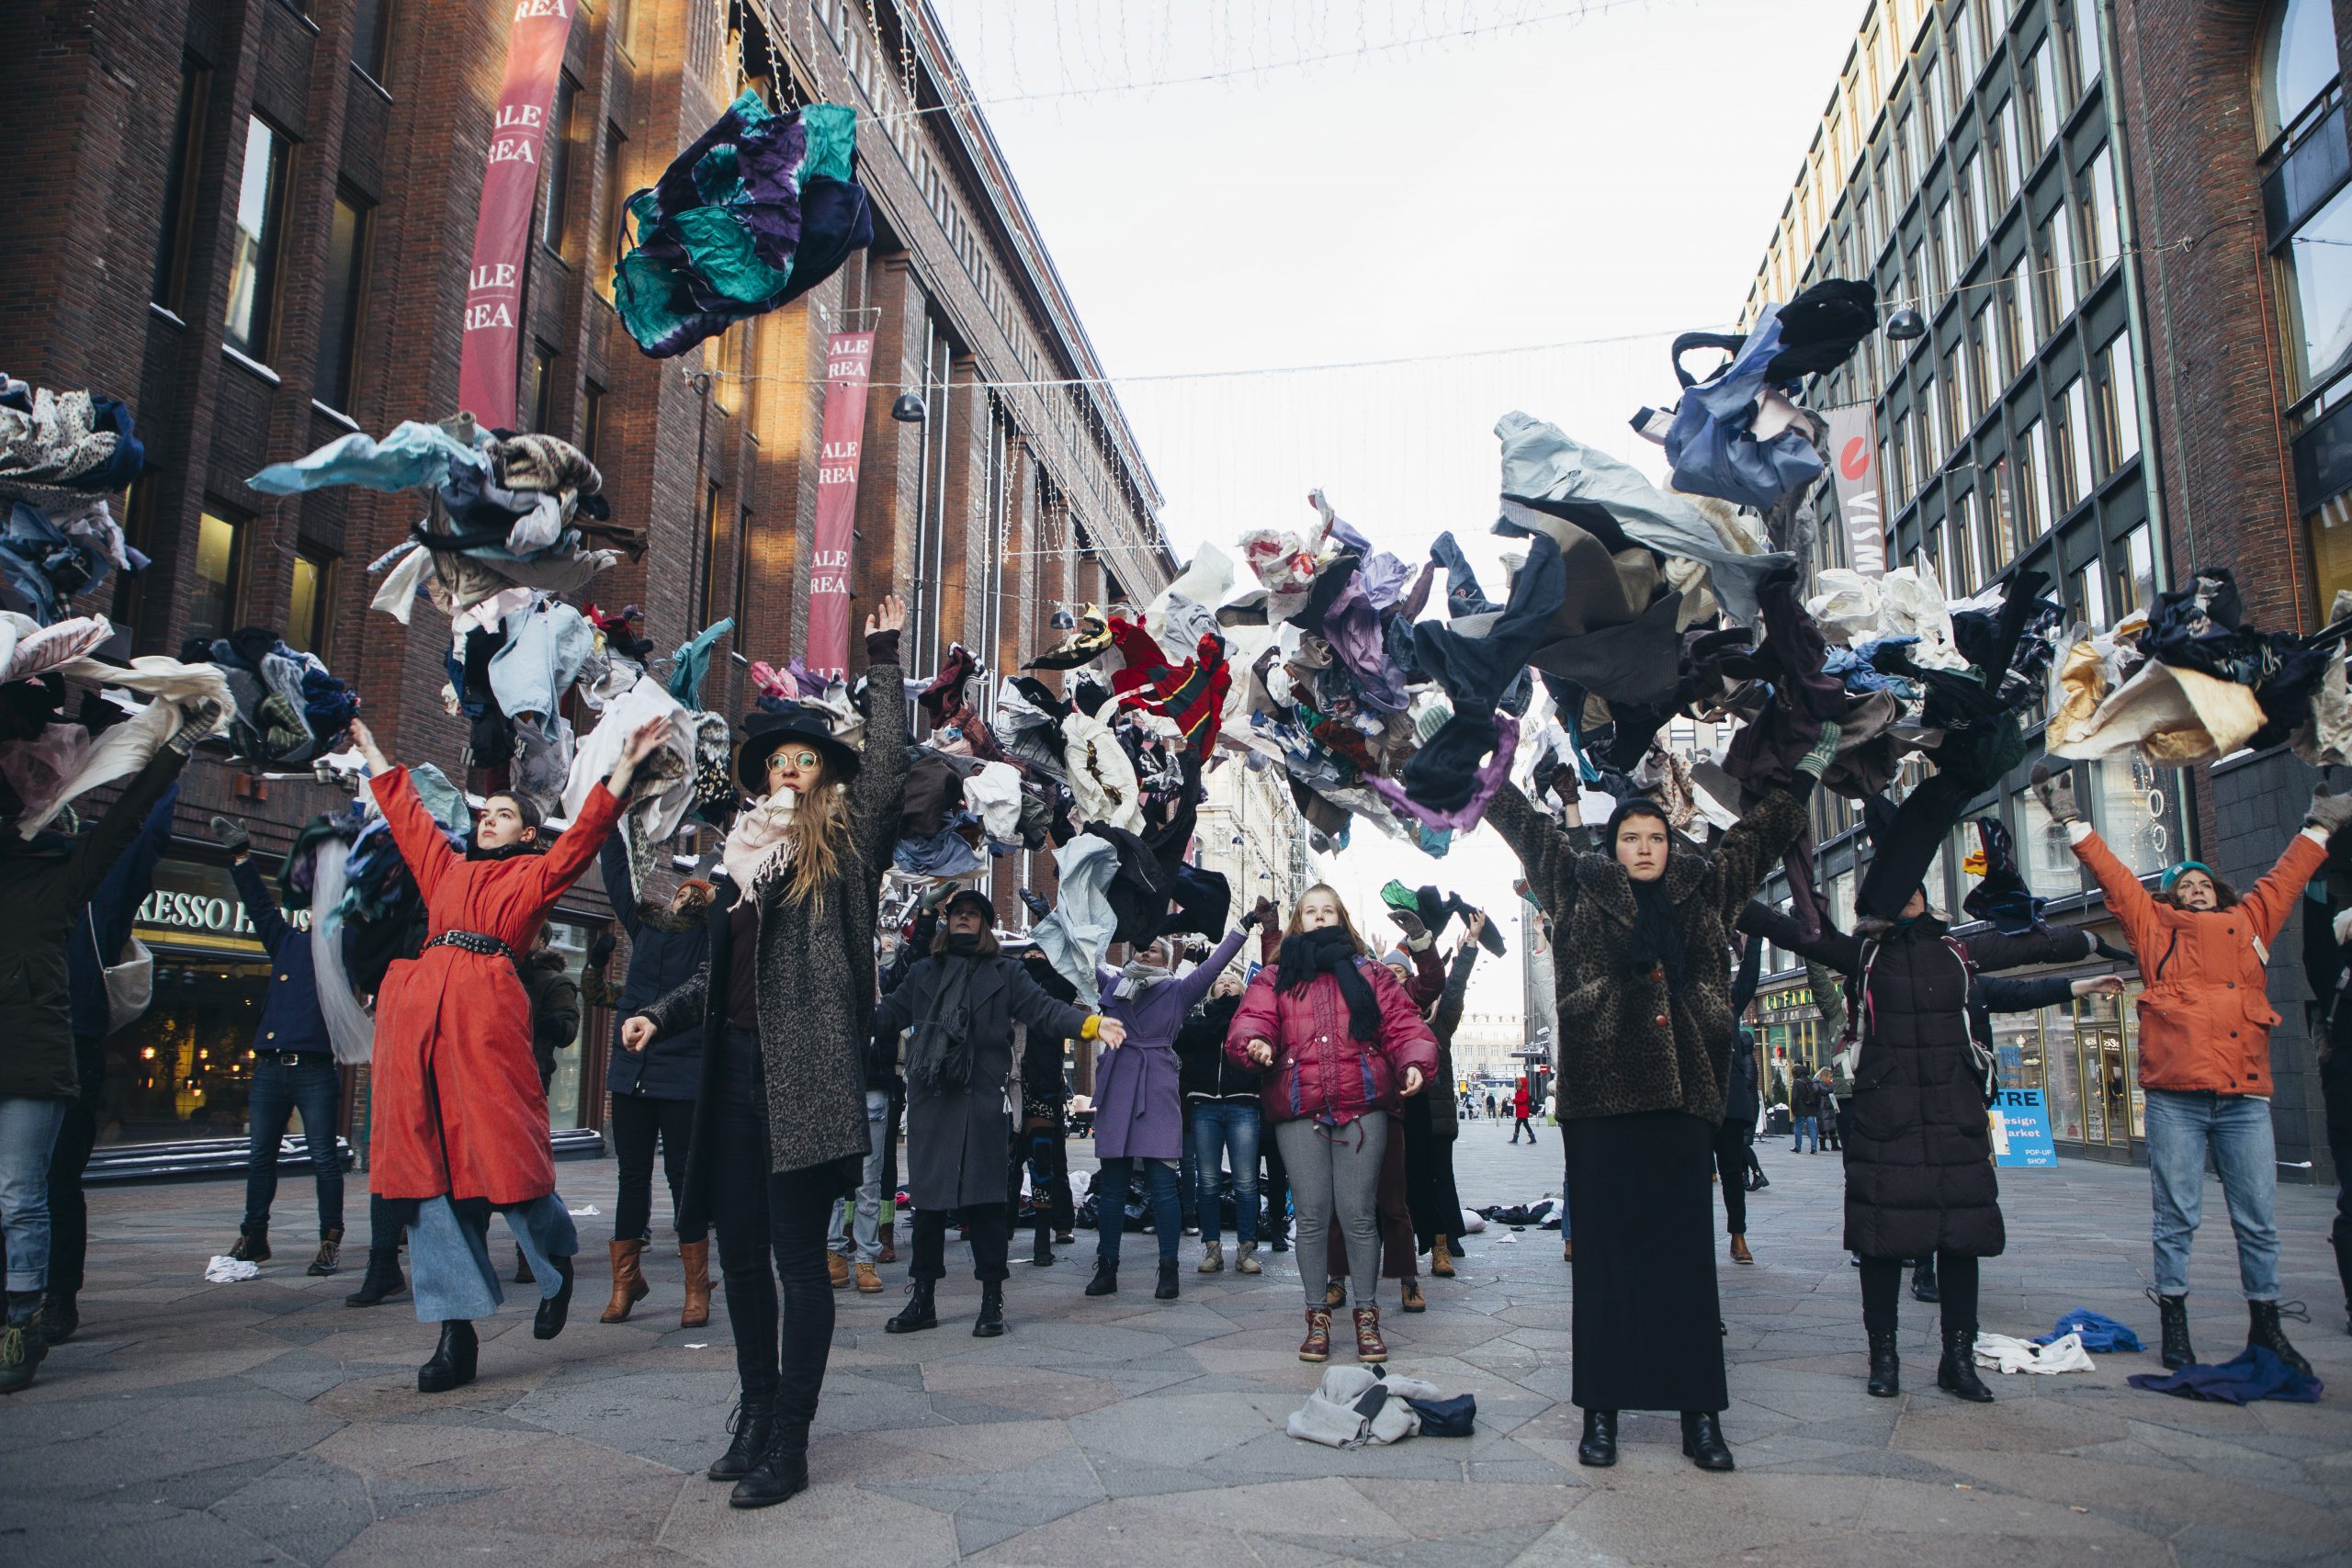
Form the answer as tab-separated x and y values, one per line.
1561	174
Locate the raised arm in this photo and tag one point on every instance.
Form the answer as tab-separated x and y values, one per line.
620	890
1755	845
269	922
1545	852
96	852
1833	947
1992	951
1046	1014
577	844
1456	995
1193	986
2273	898
874	794
2127	900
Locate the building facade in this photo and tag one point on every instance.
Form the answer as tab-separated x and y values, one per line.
252	219
2117	221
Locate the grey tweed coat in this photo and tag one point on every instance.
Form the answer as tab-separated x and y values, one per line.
817	983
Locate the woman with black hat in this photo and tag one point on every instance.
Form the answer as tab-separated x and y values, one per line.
961	1003
786	1000
1646	1032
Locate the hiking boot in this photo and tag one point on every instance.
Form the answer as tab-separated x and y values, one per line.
990	1325
59	1317
383	1278
1740	1253
22	1343
694	1257
2172	1312
919	1313
1599	1446
1370	1346
1441	1260
1106	1279
749	1429
1245	1259
837	1269
330	1253
869	1279
1413	1299
1886	1367
253	1243
1702	1440
1211	1259
1335	1294
2263	1329
547	1322
1165	1290
782	1471
1956	1374
628	1280
453	1361
1317	1346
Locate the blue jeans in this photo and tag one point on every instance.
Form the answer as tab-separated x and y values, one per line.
1808	1126
448	1255
1111	1207
2236	1128
1224	1130
27	1135
311	1083
867	1228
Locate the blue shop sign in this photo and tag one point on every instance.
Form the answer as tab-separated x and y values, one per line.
2021	1129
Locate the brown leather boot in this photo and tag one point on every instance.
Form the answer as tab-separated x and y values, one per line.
696	1256
1413	1298
1441	1260
628	1283
1317	1346
837	1269
1740	1253
1370	1346
891	1242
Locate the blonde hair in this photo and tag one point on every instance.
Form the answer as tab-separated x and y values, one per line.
818	832
1347	923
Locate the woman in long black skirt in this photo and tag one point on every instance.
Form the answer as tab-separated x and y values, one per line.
1646	1027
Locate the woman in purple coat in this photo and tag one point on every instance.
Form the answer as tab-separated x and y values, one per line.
1138	1110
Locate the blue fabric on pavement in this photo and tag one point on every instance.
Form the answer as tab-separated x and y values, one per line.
2099	1332
2254	1372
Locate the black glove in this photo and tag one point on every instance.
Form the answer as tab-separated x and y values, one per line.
600	951
2107	949
232	836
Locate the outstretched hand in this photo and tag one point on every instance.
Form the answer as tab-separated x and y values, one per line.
365	739
643	741
888	617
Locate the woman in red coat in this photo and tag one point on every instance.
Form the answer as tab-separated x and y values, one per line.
460	1119
1346	1047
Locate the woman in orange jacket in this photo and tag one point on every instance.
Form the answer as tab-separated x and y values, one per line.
2205	1026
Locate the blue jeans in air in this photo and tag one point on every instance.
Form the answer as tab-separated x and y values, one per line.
2236	1128
1228	1130
27	1135
1807	1127
449	1256
311	1083
862	1237
1111	1207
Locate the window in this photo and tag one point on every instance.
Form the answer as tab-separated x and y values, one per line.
2315	301
2032	500
2137	590
1963	55
2083	48
2088	597
1903	166
179	181
1971	202
2095	223
558	152
2040	95
2054	279
1929	443
310	606
742	574
1952	411
1960	549
1902	475
714	519
1915	282
1979	367
261	220
2007	295
592	419
2012	174
2064	479
2119	403
2076	400
542	387
345	304
219	570
1940	270
371	38
611	219
1999	518
2029	309
2299	61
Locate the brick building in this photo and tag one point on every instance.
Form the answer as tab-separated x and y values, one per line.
252	220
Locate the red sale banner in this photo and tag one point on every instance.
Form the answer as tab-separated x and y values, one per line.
493	334
849	363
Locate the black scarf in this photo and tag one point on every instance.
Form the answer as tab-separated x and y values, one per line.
939	1060
504	852
1331	951
1657	931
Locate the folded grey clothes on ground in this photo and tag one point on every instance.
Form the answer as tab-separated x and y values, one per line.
1357	1405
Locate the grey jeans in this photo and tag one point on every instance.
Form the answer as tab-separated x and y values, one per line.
1336	1171
857	1222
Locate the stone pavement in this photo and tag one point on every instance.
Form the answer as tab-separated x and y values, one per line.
264	1423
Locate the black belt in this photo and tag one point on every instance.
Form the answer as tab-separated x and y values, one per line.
474	941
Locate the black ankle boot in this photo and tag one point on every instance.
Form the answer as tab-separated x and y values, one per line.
990	1322
1702	1440
1043	1256
919	1313
522	1269
453	1361
1956	1374
755	1413
58	1318
1886	1367
253	1243
1923	1281
1106	1279
383	1278
554	1309
783	1469
2263	1328
1599	1448
2172	1312
1166	1290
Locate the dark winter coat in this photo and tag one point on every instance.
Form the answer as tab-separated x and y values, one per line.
817	980
555	1007
956	1138
1628	1041
1739	1094
1920	1174
1204	1073
290	1019
664	950
44	885
1445	1111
